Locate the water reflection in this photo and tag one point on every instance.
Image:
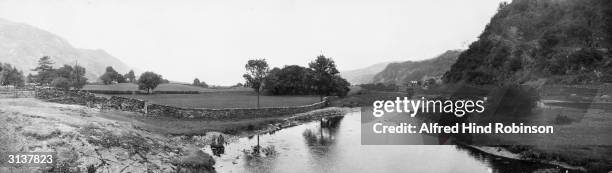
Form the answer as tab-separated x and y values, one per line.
324	135
333	145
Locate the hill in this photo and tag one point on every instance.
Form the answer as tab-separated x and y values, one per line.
22	45
563	41
363	75
402	72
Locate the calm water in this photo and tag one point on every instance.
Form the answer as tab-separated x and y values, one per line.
336	148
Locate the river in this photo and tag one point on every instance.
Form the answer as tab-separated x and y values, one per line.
335	147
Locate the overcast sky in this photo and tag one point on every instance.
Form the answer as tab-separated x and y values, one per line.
212	40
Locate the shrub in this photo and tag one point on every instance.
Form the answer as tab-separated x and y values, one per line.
61	83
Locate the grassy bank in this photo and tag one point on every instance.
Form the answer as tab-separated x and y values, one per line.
219	100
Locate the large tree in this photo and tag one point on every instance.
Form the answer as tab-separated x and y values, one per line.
324	71
45	70
257	70
149	81
75	75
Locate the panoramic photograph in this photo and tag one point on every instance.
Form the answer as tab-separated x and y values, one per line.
305	86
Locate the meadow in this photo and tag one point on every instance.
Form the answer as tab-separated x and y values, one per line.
217	100
161	87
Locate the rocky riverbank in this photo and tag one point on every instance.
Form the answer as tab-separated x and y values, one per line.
85	141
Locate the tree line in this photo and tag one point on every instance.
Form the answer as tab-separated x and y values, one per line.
319	78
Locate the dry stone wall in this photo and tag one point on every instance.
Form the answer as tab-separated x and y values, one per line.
157	110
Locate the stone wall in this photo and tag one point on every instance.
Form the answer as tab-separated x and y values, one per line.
230	113
157	110
127	104
90	99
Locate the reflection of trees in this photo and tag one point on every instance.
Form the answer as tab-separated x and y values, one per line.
505	165
260	159
324	135
217	145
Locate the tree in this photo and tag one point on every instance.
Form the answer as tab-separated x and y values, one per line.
149	81
130	76
74	74
324	71
45	70
196	82
121	79
203	84
257	70
61	83
106	79
9	75
110	76
30	78
79	80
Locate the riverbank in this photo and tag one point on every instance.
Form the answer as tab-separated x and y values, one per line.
120	141
86	141
502	151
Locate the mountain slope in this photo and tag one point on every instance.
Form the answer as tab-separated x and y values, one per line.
565	41
363	75
402	72
22	45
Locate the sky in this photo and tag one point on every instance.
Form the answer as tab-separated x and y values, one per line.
213	39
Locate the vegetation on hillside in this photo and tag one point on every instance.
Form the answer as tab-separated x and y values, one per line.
566	41
400	73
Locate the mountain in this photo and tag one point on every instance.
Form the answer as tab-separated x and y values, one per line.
363	75
22	45
402	72
562	41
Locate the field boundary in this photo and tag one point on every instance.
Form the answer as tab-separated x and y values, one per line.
158	110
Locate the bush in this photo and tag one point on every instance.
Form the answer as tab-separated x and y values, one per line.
61	83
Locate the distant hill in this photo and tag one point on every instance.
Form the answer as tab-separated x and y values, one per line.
22	45
399	73
363	75
562	41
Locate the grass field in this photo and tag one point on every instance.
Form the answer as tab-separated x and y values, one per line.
161	87
225	100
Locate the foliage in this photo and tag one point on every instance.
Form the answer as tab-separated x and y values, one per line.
543	38
74	74
149	81
324	71
257	70
290	80
407	71
110	76
197	82
61	83
298	80
130	76
45	71
9	75
67	76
